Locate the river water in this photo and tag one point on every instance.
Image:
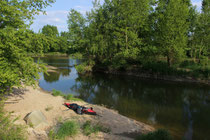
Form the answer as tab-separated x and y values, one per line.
181	108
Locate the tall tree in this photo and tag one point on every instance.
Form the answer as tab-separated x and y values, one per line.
76	25
200	47
117	28
172	27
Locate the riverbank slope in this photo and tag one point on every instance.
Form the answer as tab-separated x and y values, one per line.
23	101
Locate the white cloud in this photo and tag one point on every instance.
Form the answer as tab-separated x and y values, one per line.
57	18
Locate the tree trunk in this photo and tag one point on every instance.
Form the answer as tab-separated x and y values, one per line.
126	37
169	61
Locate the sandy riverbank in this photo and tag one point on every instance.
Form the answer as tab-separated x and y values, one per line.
23	101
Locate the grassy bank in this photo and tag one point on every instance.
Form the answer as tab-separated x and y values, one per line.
72	128
65	96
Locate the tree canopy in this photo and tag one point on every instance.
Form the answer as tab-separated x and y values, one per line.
16	68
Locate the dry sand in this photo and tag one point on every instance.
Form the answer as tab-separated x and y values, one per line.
23	101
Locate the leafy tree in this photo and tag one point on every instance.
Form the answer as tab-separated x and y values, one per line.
200	38
115	30
76	24
15	67
50	30
172	27
14	13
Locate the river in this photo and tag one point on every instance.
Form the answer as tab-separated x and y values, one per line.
181	108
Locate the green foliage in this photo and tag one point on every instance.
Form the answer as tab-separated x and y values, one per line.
9	130
56	92
160	134
69	128
172	27
85	67
14	13
120	35
65	96
15	67
76	24
76	55
50	30
66	129
89	128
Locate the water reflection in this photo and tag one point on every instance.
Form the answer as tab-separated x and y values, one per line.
184	109
181	108
55	76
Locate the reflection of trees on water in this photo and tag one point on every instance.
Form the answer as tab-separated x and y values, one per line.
54	76
63	68
151	101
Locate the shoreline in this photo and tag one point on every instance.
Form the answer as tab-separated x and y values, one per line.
157	77
23	101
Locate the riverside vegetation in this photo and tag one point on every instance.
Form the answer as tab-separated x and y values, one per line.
167	37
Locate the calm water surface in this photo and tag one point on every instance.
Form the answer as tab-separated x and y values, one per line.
182	108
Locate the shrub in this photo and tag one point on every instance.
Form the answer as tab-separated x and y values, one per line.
67	97
56	93
8	130
68	128
76	55
89	128
160	134
83	68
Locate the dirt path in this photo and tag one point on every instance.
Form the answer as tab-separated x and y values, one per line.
22	102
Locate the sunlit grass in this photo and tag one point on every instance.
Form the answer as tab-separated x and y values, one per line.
65	96
66	129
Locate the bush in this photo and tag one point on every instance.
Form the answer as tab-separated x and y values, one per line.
56	93
67	97
68	128
83	68
76	55
8	130
160	134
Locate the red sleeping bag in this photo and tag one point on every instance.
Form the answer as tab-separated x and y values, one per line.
80	109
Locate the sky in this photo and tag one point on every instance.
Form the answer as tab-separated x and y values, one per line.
57	13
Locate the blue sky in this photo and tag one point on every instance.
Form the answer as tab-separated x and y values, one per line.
57	13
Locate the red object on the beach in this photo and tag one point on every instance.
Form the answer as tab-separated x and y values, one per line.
81	109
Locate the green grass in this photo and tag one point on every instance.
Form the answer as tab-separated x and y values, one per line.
66	129
76	55
160	134
65	96
72	128
56	93
9	130
89	128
